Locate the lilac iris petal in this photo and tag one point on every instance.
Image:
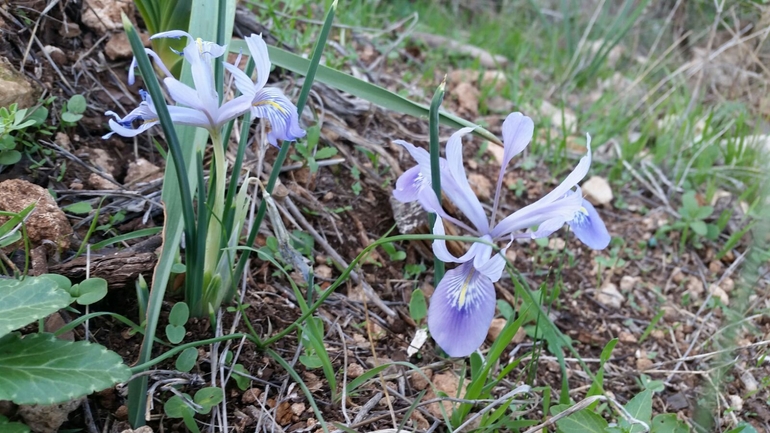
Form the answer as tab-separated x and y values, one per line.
267	103
589	227
461	309
460	191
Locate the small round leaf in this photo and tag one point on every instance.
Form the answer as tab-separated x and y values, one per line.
186	360
180	312
175	334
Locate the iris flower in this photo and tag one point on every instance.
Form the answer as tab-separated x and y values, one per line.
200	105
267	102
463	304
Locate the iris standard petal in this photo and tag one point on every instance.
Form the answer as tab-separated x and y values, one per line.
273	105
258	50
459	190
589	227
517	133
408	185
202	76
461	309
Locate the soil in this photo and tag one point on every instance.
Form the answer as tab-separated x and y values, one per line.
663	333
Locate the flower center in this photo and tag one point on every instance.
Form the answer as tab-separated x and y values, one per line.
464	289
271	103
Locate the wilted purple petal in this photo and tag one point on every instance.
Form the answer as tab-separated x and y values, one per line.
461	309
589	227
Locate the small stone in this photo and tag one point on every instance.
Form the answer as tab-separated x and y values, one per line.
100	183
627	337
70	30
118	47
323	271
354	370
597	191
420	422
46	222
718	292
56	54
251	395
556	244
715	267
496	151
449	383
480	185
63	140
14	87
495	329
610	296
736	403
468	98
560	119
298	408
48	418
658	334
627	283
419	382
677	402
142	170
105	15
750	384
727	285
643	363
101	159
695	287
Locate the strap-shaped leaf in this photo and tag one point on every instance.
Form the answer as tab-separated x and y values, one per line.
24	301
41	369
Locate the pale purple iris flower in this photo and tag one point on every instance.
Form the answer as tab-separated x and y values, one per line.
463	304
267	102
